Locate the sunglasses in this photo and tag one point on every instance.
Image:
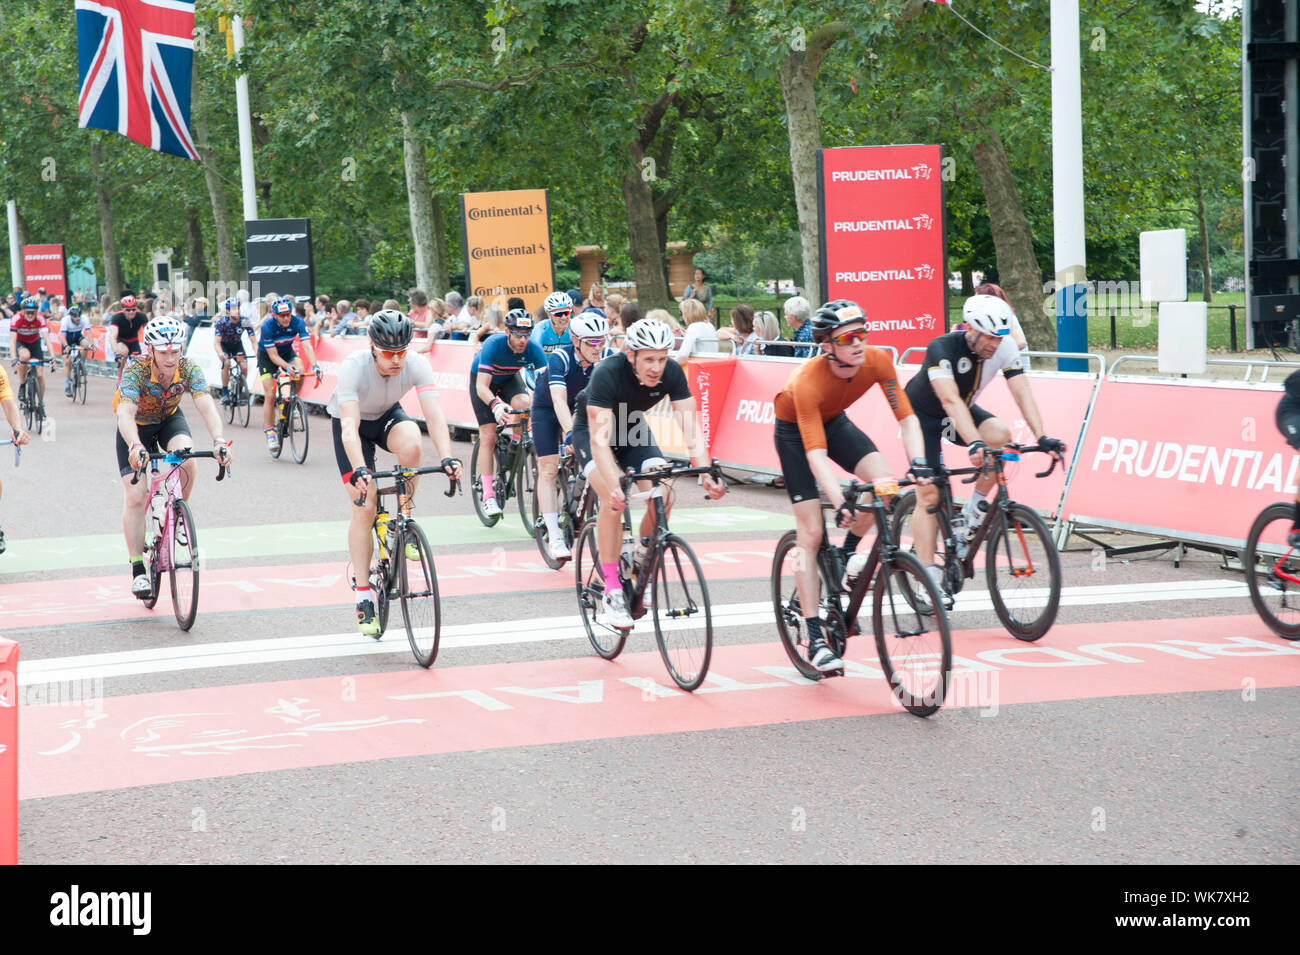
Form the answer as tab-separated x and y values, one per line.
391	355
592	342
850	338
520	332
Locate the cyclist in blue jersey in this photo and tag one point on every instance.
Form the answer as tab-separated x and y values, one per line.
568	372
228	341
554	331
495	389
275	354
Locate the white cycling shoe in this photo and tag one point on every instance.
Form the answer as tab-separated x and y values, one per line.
616	614
559	550
490	507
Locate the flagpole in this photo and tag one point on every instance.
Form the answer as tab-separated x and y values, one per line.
1067	185
15	250
245	127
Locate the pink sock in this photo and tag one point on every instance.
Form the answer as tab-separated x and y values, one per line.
611	576
487	486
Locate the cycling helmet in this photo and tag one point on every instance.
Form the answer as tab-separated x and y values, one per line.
128	301
74	311
389	328
30	304
164	332
519	318
588	325
987	314
282	306
558	302
648	333
835	315
232	302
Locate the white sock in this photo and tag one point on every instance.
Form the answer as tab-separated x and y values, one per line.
363	593
553	525
971	509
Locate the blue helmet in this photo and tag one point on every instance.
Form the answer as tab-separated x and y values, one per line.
232	302
282	306
30	304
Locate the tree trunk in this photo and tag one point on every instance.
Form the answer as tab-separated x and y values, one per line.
216	194
426	217
194	259
1018	268
967	283
1208	293
104	211
643	237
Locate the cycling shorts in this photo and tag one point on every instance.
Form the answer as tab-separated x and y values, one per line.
631	456
546	432
34	347
846	445
482	413
372	433
155	438
932	430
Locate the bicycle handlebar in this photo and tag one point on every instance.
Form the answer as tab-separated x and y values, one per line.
672	471
177	457
454	484
1015	449
18	448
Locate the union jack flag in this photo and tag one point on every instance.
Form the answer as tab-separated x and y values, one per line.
135	58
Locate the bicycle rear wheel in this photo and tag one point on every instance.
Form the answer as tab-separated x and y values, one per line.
421	611
526	488
915	648
540	533
476	488
790	625
151	560
1273	571
680	596
1024	572
590	582
299	436
184	570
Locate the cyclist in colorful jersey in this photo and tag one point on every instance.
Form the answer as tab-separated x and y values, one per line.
9	402
567	372
75	328
957	367
366	413
611	434
124	328
495	389
149	419
813	430
275	354
553	332
29	338
228	333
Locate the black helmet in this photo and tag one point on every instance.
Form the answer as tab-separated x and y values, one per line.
389	328
835	315
519	318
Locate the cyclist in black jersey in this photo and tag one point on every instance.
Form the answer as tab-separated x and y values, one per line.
1288	422
956	369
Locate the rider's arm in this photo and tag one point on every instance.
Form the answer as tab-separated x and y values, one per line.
913	439
483	387
560	401
600	421
12	414
308	350
1019	385
349	428
112	338
126	422
945	389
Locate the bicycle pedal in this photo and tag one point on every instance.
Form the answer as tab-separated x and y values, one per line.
827	674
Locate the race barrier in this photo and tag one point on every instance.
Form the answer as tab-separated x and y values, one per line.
8	752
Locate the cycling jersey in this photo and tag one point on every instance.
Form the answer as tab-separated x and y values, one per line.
230	329
497	357
6	390
544	336
128	329
614	385
359	380
563	368
950	357
814	394
281	337
71	326
27	329
155	401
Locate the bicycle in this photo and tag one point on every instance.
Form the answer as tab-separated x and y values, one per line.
30	402
18	456
577	505
1020	547
1272	568
516	472
672	597
913	643
239	400
171	537
290	416
77	370
413	581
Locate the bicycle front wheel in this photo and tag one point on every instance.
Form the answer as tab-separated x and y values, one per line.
184	570
1273	571
590	582
299	436
1024	573
679	601
230	403
915	648
526	490
421	611
245	402
476	488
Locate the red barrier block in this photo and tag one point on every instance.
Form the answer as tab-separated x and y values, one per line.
8	752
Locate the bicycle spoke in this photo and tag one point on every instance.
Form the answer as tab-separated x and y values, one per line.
683	624
914	648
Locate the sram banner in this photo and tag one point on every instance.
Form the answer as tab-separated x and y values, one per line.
507	241
882	238
279	257
1191	462
45	267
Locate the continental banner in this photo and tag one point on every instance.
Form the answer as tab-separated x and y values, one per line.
507	241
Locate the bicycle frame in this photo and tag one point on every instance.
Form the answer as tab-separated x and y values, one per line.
170	485
515	452
883	549
401	476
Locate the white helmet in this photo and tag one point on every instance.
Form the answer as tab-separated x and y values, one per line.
987	314
164	332
558	302
648	333
588	325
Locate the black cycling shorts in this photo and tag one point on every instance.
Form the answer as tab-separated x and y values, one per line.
1288	421
265	366
630	456
506	392
846	445
933	431
155	438
372	433
33	347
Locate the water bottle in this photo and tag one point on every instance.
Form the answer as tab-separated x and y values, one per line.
982	510
381	527
851	572
156	512
627	557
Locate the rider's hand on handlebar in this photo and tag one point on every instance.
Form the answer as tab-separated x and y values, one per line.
617	500
921	472
845	515
21	437
222	450
1052	445
714	487
138	456
976	448
451	468
500	411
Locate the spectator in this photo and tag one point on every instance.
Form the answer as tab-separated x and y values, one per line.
418	309
455	305
198	317
769	330
596	296
701	337
797	312
493	322
304	309
514	302
345	317
741	334
1017	333
700	291
575	296
630	313
667	317
613	306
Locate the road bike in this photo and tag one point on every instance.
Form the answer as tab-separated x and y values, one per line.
171	538
577	504
239	400
290	417
397	575
1272	567
77	372
671	572
913	644
18	456
516	472
1021	562
30	402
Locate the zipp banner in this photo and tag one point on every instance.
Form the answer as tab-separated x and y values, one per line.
279	257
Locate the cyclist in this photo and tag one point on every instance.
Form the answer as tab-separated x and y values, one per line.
124	328
275	354
812	430
10	404
553	331
1288	422
73	328
228	333
149	419
568	371
957	367
495	389
366	413
29	338
610	434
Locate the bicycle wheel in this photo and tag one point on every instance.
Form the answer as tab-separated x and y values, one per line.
476	488
526	488
421	611
680	596
230	402
790	617
155	575
299	436
184	570
245	403
82	385
607	641
29	401
1024	572
379	587
540	533
1273	571
915	649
